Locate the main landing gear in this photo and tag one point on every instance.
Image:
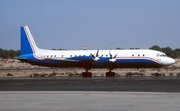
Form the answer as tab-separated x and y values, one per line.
89	74
110	74
86	73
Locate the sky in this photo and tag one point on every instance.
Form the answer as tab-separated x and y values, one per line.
102	24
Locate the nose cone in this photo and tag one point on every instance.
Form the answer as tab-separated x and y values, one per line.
170	61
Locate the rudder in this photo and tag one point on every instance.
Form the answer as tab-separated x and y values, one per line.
28	45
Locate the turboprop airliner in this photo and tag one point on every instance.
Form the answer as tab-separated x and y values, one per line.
88	59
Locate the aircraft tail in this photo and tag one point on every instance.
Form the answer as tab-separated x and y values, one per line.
28	45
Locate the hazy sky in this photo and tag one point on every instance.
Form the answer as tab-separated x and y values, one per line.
104	24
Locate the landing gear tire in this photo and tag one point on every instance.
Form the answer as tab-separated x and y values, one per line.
86	74
110	74
157	74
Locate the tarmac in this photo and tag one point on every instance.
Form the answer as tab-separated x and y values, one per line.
88	101
90	94
135	84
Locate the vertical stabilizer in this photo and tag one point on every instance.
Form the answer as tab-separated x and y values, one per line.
28	45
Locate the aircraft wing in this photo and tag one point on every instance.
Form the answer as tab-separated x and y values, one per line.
62	59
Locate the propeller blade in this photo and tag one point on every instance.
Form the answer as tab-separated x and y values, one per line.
110	55
93	56
97	53
96	58
111	58
115	56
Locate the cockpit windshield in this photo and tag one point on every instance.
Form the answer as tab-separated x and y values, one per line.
164	55
161	55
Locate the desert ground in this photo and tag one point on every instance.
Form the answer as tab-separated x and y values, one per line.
15	68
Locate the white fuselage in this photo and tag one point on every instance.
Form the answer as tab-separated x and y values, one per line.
89	58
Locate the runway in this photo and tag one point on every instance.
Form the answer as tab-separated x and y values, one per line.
88	101
135	84
90	94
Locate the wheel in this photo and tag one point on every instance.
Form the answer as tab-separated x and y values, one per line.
86	74
157	74
110	74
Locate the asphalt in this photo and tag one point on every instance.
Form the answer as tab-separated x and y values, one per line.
88	101
130	84
90	94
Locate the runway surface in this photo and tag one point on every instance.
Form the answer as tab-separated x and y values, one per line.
135	84
90	94
88	101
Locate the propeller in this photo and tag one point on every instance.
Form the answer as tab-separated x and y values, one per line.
111	58
95	57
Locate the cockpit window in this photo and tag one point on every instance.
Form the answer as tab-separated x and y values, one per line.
161	55
164	55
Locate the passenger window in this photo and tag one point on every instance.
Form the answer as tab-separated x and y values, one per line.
133	55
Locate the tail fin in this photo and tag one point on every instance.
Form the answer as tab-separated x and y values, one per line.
28	45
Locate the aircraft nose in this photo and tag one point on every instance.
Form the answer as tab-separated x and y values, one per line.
170	61
173	61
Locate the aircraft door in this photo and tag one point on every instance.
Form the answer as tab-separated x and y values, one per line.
160	58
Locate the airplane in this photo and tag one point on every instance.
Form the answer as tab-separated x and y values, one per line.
87	59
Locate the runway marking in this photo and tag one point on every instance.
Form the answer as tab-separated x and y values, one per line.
86	92
147	82
6	84
110	82
80	82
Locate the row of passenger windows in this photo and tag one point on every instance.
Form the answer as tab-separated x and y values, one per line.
90	55
138	55
51	56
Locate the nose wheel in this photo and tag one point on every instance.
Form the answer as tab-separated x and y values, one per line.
158	73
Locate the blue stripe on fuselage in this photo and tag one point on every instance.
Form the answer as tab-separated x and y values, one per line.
102	63
127	63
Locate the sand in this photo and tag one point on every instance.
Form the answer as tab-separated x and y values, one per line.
15	68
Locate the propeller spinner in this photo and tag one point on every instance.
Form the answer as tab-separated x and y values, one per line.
95	57
111	58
